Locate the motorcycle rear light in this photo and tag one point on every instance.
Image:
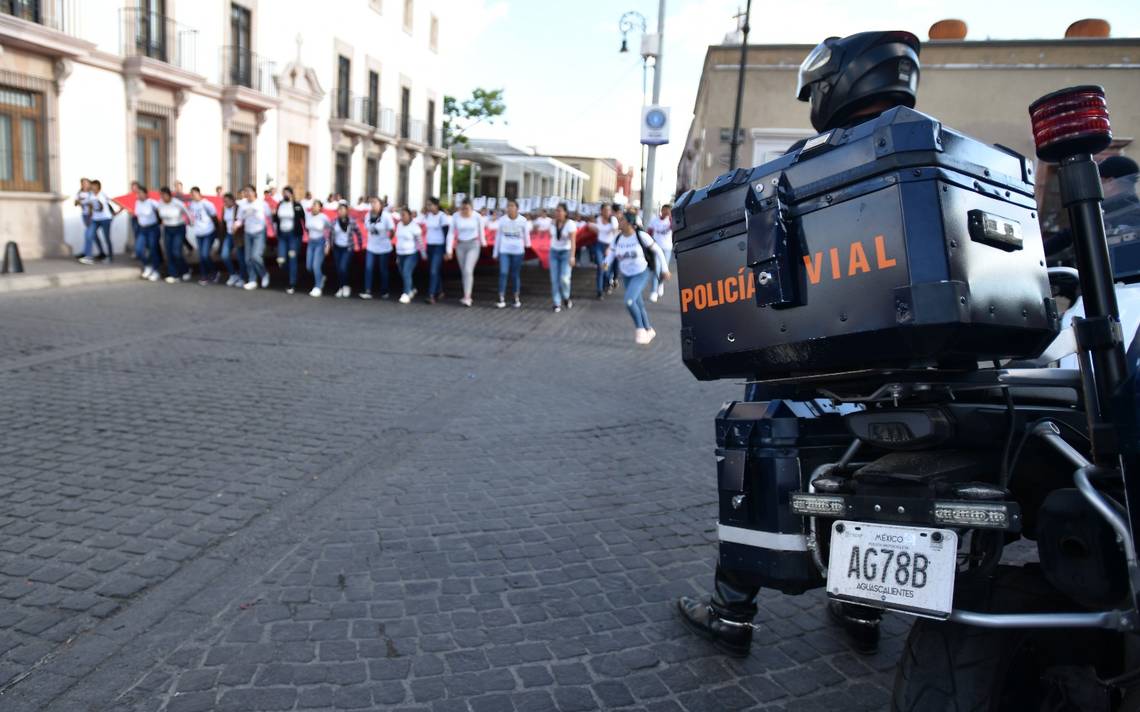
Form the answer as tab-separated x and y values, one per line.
1070	121
813	505
974	515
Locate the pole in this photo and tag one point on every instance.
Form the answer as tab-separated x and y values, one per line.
644	73
740	88
450	175
651	164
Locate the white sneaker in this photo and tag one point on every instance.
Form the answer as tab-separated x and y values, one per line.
650	334
365	295
265	281
516	303
186	277
405	298
315	292
501	304
414	293
239	282
290	290
153	277
146	272
640	336
280	261
653	296
251	285
85	260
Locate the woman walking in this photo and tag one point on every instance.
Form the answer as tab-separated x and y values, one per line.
175	217
465	240
378	224
346	240
233	249
605	227
437	223
628	252
409	250
253	217
146	233
318	225
288	219
205	217
562	247
662	229
101	210
510	245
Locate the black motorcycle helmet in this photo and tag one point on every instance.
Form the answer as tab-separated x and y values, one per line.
843	75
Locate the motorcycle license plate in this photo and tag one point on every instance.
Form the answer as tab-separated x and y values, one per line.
909	569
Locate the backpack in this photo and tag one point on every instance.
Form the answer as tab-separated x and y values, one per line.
647	252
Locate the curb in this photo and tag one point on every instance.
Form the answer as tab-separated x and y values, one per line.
95	274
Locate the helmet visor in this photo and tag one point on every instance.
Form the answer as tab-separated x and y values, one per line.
809	68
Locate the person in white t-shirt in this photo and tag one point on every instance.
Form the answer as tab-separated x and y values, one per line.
146	233
661	227
562	248
627	253
605	227
174	216
466	241
233	249
543	222
101	210
437	224
511	243
410	249
378	225
319	227
254	215
289	219
205	217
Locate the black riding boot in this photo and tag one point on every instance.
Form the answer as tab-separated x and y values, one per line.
725	618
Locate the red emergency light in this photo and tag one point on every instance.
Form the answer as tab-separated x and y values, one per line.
1070	121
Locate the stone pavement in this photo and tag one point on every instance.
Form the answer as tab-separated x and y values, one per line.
212	499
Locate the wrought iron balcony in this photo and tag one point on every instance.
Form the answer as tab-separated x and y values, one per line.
244	68
61	15
154	35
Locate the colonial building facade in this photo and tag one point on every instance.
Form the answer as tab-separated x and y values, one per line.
342	96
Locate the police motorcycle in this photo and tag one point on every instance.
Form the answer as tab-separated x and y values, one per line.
937	438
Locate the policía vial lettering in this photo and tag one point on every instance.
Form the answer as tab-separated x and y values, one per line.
841	264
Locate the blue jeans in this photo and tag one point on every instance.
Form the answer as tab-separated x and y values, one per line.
598	255
664	267
371	258
560	275
510	265
341	256
435	269
91	234
288	245
146	244
255	254
408	270
315	259
173	235
205	242
634	300
234	260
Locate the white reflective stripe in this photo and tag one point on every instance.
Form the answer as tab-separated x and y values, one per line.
762	540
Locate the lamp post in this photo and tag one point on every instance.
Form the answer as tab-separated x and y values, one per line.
740	87
629	22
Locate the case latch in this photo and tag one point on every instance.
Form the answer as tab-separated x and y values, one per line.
773	247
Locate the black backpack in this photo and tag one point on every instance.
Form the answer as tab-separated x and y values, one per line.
650	255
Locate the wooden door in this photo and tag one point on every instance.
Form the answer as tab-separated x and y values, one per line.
298	168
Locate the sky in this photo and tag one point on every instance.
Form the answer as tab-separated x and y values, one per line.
568	90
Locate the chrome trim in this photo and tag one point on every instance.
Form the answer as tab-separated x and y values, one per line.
773	541
1112	620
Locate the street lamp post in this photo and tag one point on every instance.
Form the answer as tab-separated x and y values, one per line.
630	21
736	139
626	25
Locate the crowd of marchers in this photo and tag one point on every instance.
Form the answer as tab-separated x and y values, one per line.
230	237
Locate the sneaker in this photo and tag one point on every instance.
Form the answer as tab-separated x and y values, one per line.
501	304
290	290
413	293
153	276
601	296
653	296
339	293
557	308
171	280
405	298
640	336
239	283
430	300
186	277
365	295
516	303
569	304
265	280
250	285
650	334
86	260
230	281
280	261
315	292
465	301
385	295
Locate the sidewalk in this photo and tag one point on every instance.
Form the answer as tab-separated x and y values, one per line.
63	272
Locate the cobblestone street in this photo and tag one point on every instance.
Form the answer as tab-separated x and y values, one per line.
214	499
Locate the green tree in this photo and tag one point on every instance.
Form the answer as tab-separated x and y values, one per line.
485	106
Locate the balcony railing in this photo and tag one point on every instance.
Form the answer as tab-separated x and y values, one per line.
419	131
387	122
404	125
243	68
367	111
61	15
152	34
342	106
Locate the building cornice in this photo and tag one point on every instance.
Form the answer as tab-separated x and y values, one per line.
22	34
